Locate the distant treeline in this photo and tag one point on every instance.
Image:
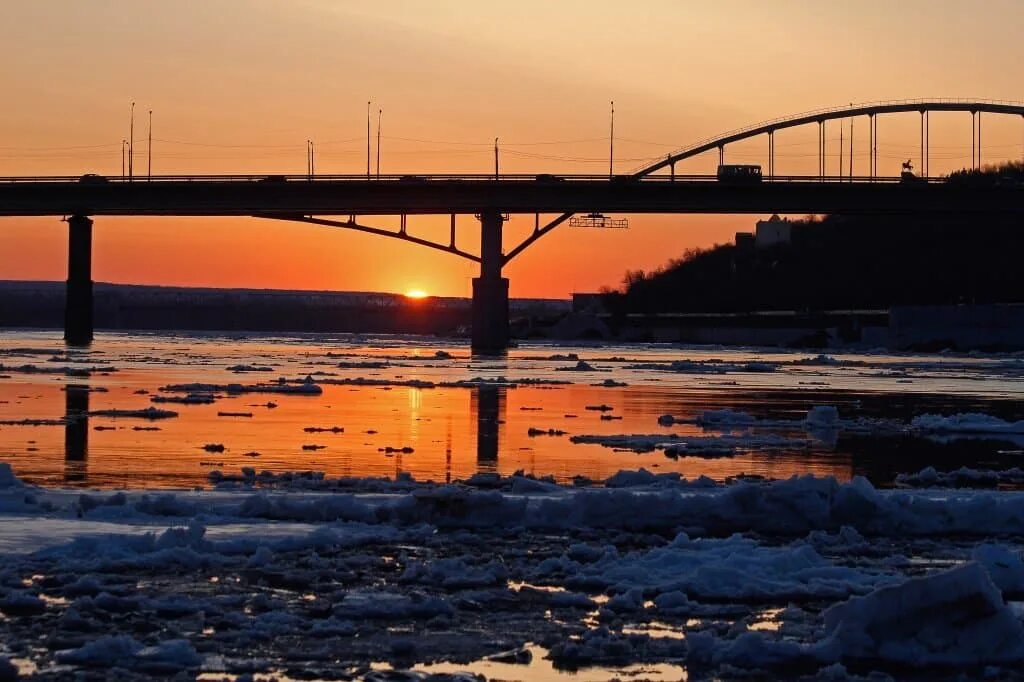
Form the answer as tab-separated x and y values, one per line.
849	262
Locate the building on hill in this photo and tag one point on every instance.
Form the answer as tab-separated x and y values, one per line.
772	232
745	241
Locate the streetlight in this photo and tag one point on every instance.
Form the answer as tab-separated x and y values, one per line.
495	158
611	143
124	148
379	112
131	142
368	140
149	150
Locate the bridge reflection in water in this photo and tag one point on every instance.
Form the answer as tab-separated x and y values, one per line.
76	432
487	404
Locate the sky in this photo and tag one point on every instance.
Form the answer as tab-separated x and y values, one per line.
238	86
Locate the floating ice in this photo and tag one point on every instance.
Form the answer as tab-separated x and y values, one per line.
955	617
145	413
969	422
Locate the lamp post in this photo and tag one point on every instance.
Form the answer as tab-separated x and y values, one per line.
611	143
368	140
124	149
131	142
495	158
149	150
379	112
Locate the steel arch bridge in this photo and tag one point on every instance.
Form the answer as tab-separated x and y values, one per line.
316	199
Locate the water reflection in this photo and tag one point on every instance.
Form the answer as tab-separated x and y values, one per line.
437	433
487	403
76	432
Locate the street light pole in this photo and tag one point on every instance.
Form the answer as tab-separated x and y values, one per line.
611	143
368	140
149	150
124	147
131	142
495	158
379	112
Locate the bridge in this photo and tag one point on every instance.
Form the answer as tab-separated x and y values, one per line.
344	201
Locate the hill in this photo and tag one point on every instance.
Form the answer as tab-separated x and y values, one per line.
847	262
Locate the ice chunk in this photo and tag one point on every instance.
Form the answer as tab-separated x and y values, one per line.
580	366
171	655
956	617
823	417
1004	566
145	413
7	477
106	652
963	477
725	418
965	422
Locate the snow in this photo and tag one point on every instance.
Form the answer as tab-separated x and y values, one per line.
1003	565
956	617
734	568
294	564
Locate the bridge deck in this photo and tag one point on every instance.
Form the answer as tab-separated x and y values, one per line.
345	195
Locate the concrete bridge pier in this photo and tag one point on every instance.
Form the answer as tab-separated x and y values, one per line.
78	301
490	290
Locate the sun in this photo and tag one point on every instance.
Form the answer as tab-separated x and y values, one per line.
416	293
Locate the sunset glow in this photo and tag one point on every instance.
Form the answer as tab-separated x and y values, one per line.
449	77
416	293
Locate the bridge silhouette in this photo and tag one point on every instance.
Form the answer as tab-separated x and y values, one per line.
653	188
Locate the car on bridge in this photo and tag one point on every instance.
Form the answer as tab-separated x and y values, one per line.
548	178
739	174
93	179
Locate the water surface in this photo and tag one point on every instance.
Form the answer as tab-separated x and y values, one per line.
456	431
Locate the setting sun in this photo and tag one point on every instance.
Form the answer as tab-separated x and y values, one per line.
416	293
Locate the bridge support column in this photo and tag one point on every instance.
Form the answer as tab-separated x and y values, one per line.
490	290
78	301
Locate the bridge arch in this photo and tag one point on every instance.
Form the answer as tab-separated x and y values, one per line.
872	109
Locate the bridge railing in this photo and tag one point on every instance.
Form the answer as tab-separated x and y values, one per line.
274	179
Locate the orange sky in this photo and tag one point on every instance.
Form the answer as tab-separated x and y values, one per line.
239	85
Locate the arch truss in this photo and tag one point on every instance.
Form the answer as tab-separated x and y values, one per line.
402	233
872	110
